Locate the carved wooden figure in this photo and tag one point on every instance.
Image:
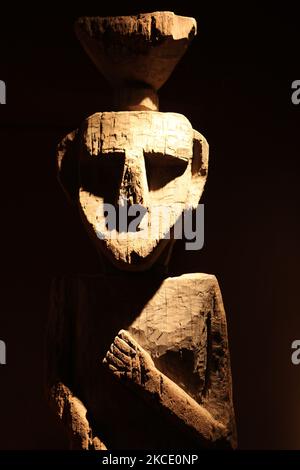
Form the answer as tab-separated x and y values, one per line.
136	359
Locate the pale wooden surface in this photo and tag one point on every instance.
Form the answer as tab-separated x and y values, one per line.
181	323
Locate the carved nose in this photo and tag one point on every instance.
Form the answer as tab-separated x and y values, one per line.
133	192
134	186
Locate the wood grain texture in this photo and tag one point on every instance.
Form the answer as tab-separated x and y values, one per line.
151	159
138	361
177	374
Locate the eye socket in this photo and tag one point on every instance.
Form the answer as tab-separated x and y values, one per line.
161	169
101	175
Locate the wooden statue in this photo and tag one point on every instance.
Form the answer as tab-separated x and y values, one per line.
136	359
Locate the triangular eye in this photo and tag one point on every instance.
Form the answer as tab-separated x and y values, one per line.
101	175
161	169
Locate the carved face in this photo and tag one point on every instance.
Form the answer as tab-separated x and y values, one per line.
144	166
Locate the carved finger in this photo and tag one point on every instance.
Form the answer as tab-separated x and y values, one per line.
120	374
120	355
124	347
109	366
116	371
125	336
136	369
115	361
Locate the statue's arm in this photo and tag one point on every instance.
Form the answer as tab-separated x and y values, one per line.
128	361
72	413
58	380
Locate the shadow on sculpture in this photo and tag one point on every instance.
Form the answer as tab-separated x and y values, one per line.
136	359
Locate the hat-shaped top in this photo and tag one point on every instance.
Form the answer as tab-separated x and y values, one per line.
136	51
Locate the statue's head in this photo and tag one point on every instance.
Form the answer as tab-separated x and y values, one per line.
137	173
132	173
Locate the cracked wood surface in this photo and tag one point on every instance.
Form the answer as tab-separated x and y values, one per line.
195	407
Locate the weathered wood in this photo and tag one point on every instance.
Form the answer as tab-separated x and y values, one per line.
137	360
136	54
151	159
174	364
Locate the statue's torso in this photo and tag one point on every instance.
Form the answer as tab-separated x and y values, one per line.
169	318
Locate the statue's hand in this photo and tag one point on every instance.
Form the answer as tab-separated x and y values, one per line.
126	359
73	415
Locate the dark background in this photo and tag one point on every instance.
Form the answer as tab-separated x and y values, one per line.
234	85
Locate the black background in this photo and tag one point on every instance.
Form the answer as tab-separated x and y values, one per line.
234	85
